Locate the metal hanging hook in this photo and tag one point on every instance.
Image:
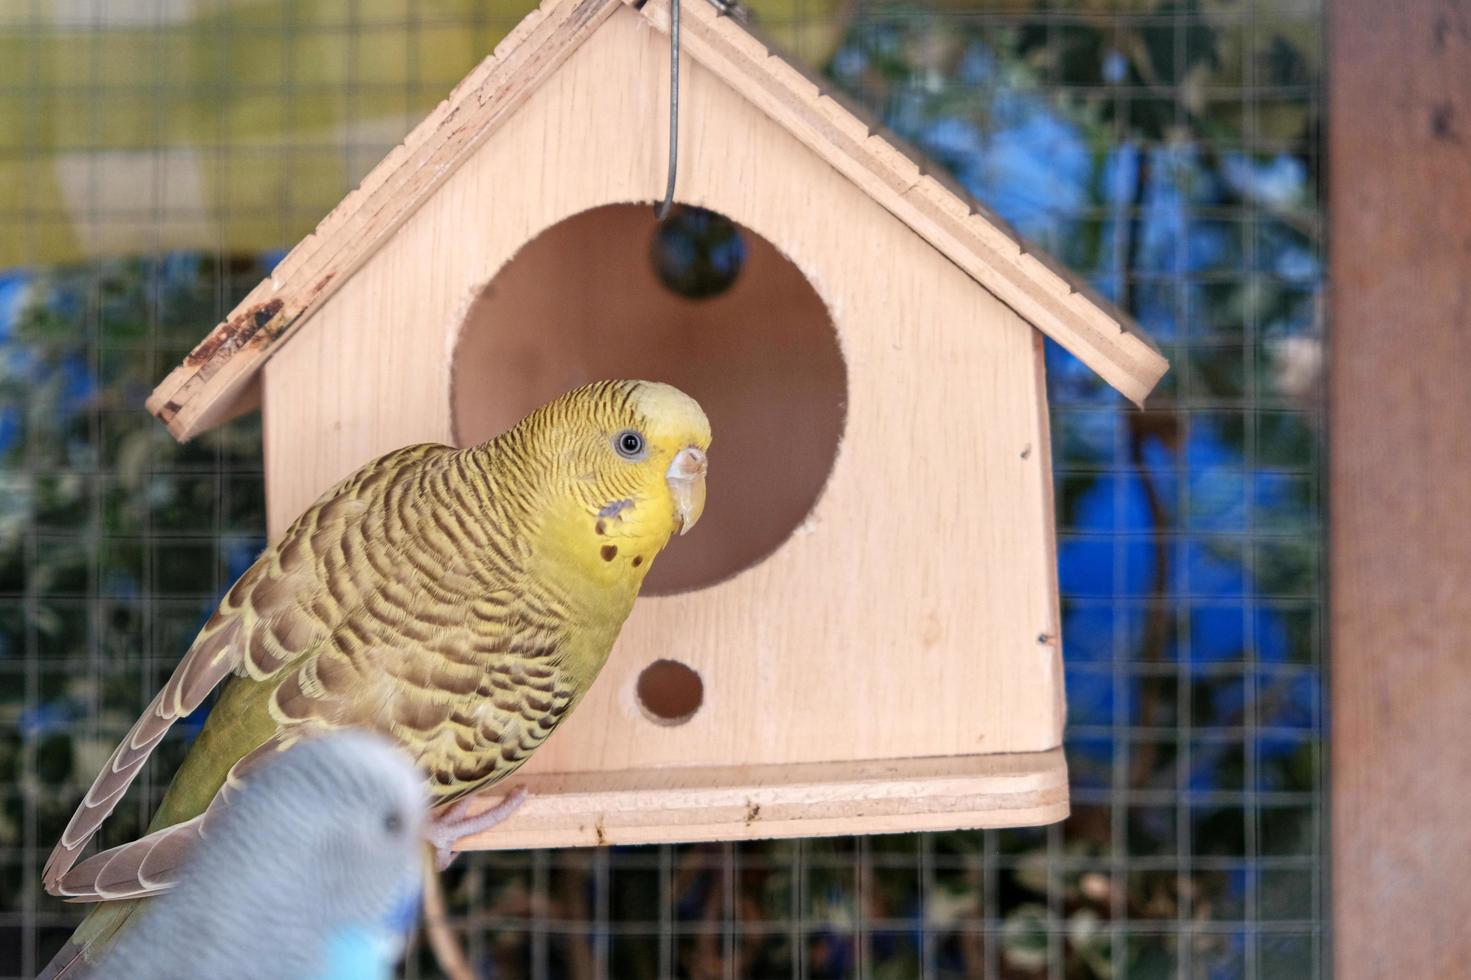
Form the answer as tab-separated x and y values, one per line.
725	7
662	209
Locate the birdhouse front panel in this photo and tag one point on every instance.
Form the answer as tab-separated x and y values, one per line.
862	633
873	577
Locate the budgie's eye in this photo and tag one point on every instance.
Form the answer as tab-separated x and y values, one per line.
393	822
629	443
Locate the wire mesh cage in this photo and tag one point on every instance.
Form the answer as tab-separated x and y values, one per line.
155	155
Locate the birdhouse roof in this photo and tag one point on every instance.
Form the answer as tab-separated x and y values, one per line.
214	382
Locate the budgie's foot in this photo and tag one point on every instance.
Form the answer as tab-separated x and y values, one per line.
446	828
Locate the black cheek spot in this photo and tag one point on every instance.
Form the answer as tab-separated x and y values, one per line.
638	560
609	552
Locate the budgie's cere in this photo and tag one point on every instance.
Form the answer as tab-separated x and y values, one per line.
312	871
460	601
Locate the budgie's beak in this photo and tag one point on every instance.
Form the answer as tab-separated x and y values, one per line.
686	478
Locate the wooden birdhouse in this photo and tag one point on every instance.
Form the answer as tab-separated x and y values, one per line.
862	635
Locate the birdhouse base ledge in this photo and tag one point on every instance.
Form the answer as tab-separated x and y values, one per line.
718	803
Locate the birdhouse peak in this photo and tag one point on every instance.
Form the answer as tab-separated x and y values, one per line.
216	380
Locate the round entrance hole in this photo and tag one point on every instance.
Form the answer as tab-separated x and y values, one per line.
669	692
584	301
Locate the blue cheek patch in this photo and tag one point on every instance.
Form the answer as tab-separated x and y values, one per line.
405	914
369	953
357	953
615	509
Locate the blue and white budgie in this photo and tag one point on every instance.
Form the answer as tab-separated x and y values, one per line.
312	872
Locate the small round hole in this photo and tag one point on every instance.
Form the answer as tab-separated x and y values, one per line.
669	692
697	253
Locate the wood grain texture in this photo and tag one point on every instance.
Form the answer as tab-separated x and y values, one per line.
751	802
1400	424
198	394
912	614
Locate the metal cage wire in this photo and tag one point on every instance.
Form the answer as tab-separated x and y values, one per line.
1168	151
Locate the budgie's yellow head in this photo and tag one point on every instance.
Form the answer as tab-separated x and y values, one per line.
626	470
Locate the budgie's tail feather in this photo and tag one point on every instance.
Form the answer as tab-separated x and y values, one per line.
136	869
97	932
64	964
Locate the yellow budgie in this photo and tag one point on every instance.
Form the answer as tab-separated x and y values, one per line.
459	601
